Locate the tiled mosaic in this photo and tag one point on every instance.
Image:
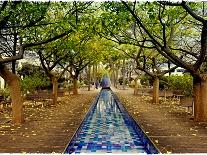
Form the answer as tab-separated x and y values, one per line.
105	131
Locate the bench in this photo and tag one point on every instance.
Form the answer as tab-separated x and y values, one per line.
166	93
143	91
187	102
39	97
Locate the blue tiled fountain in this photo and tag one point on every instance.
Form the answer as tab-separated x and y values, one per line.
108	128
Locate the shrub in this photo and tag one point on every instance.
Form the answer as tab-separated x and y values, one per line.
5	93
183	83
69	85
146	80
126	81
34	82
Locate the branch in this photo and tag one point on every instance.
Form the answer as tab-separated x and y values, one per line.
169	70
202	55
187	8
164	51
169	3
140	23
188	52
61	65
6	18
80	69
24	46
33	22
163	26
43	64
144	70
64	70
48	40
57	61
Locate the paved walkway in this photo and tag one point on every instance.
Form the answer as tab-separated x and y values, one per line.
167	124
46	129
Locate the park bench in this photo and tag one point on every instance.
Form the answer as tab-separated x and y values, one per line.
178	94
187	102
40	98
166	93
43	97
144	91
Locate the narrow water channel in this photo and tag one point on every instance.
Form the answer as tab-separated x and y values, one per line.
107	130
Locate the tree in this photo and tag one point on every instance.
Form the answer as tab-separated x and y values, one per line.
26	18
50	58
80	57
190	53
149	62
10	27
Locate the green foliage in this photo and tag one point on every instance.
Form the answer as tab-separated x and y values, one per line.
126	81
34	82
146	80
5	93
183	83
34	78
29	69
69	85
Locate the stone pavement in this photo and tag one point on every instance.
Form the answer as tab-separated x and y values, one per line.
168	124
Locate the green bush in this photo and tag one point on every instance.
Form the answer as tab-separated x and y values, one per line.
69	85
126	81
146	80
183	83
5	93
33	82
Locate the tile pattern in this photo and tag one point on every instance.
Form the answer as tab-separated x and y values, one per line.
106	131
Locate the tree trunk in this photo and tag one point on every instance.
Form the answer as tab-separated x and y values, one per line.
89	78
75	86
54	90
113	75
123	74
135	86
116	76
200	99
14	51
94	73
15	92
155	96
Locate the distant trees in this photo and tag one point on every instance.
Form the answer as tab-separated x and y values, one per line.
149	62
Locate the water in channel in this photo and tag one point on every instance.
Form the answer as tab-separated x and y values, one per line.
105	130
